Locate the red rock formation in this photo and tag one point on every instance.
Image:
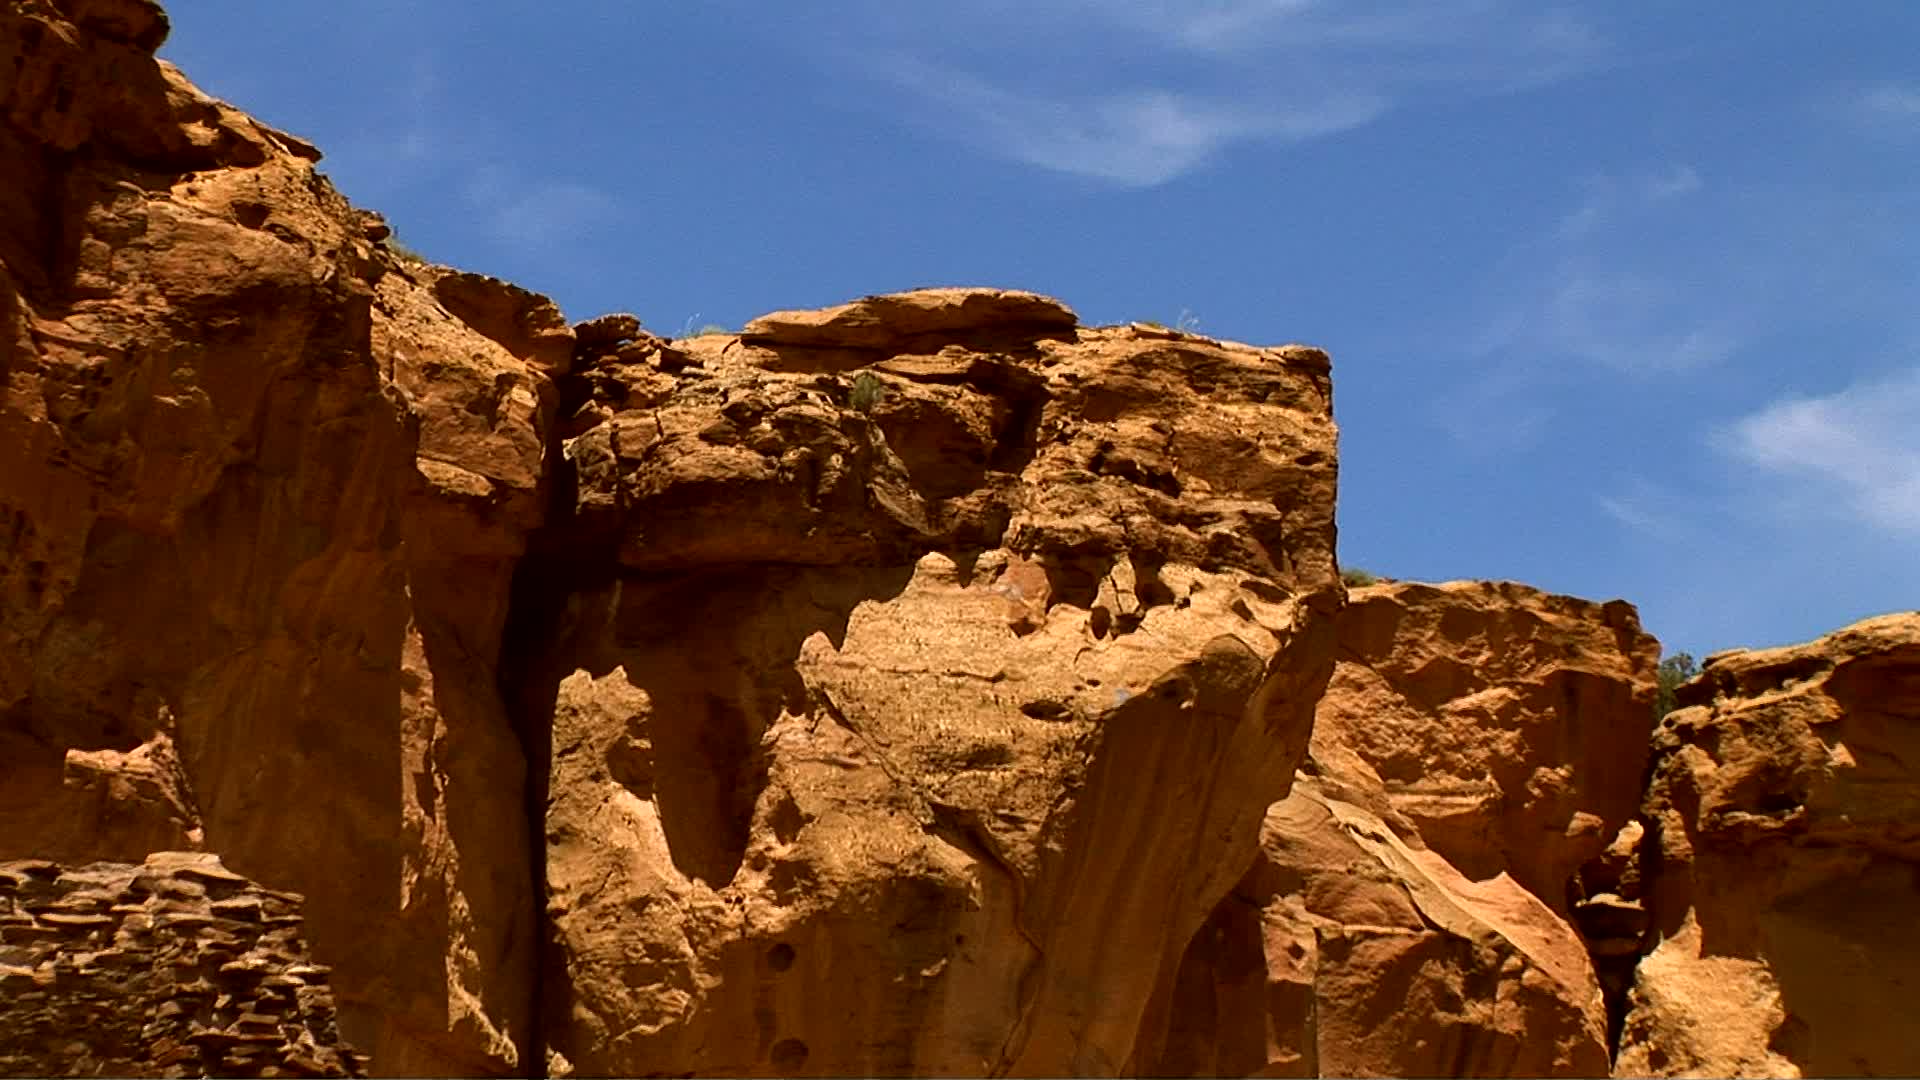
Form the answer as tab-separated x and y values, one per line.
944	663
894	688
1509	725
1405	913
171	967
260	508
1783	831
275	481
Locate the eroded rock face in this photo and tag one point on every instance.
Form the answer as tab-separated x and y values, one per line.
174	966
1784	831
1476	737
1510	726
914	686
937	677
260	507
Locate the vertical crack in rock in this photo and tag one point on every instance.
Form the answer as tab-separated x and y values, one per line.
536	611
1779	861
559	563
906	684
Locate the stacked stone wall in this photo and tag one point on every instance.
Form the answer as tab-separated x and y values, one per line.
174	967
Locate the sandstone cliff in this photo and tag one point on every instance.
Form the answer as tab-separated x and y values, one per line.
925	635
842	648
264	487
924	685
1407	912
1783	822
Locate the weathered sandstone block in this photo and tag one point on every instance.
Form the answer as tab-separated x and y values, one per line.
1406	912
1779	866
937	674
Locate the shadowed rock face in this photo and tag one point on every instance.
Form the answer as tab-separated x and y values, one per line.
260	507
944	660
1406	914
1509	725
1779	867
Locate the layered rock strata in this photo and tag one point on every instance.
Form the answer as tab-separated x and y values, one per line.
1407	912
1781	866
171	967
943	660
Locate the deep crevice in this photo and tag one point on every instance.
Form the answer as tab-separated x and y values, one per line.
548	575
535	612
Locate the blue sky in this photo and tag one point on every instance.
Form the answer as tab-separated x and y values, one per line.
1623	300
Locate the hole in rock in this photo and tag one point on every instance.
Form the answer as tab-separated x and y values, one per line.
707	778
789	1054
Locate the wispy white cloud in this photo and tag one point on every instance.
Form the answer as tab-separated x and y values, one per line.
1607	200
1634	322
1169	85
1892	100
403	143
1675	182
1135	138
1860	445
1475	39
536	213
1625	282
1499	412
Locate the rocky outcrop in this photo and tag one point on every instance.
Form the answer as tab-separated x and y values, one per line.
1510	726
170	967
1783	824
262	499
925	684
1406	914
850	639
944	659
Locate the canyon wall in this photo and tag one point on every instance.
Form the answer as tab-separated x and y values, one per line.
924	685
264	489
1782	864
938	663
1408	912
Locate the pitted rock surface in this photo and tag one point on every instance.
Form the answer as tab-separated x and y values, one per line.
1783	836
1475	737
915	685
878	661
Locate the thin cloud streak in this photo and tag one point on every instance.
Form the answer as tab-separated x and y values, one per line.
1860	445
1892	100
1135	139
1592	290
1632	323
1321	69
536	214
